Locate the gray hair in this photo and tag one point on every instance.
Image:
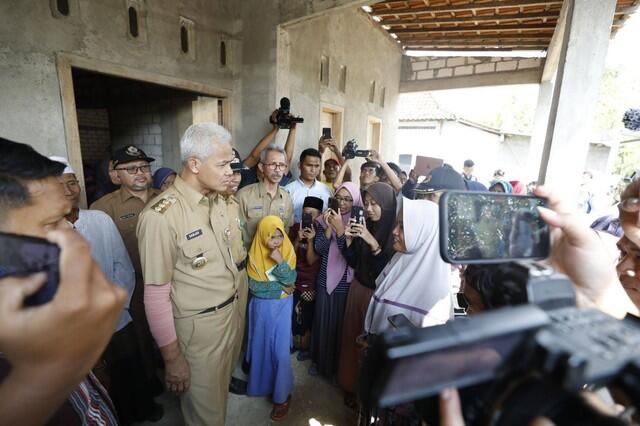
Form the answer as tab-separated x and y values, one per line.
200	140
272	147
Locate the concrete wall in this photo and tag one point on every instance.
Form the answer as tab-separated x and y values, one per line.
348	38
435	73
30	36
455	142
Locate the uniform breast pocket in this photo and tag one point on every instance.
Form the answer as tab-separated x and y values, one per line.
255	212
195	254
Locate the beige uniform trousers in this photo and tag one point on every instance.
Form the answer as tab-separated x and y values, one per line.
208	342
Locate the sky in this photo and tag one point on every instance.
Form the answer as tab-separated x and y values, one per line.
484	104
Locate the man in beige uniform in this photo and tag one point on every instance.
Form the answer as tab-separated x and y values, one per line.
190	276
267	197
132	171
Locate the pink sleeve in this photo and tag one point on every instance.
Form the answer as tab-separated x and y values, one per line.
157	305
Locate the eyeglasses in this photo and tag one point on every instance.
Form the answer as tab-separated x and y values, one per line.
368	170
134	169
344	199
276	166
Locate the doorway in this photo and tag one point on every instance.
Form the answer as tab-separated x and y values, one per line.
331	117
374	130
107	106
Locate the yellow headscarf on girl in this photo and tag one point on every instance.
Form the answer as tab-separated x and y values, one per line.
260	254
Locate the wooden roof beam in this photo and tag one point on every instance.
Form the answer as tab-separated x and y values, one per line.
475	28
481	49
464	7
460	44
465	19
480	37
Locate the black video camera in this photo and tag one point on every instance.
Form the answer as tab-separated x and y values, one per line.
284	119
515	363
351	150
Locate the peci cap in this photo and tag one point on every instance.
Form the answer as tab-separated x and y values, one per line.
441	178
127	154
236	163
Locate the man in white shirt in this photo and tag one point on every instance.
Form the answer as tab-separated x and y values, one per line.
307	185
130	391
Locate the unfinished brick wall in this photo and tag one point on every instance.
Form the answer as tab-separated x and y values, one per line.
95	138
138	125
433	67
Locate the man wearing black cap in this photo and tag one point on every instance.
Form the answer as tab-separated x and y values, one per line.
441	179
239	255
132	171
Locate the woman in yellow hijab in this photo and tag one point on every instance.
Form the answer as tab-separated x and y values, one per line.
272	274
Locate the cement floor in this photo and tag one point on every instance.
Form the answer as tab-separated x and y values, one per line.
315	402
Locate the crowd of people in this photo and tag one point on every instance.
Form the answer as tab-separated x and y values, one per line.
218	272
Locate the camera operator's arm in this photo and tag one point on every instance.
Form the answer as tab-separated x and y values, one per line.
290	144
254	156
394	180
343	170
579	252
52	347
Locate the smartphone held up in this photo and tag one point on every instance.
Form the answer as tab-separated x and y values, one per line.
490	227
22	256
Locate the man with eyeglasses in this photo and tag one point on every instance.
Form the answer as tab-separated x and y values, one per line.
267	197
121	363
132	171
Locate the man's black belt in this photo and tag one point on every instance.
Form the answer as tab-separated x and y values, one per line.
242	264
220	306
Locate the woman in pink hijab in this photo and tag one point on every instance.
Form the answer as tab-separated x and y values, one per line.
332	285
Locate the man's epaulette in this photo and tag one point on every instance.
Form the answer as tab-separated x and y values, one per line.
164	203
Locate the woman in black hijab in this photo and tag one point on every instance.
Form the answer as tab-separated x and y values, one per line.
369	248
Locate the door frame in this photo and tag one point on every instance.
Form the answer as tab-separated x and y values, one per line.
65	62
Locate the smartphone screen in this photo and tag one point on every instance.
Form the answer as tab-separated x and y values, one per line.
357	213
22	255
326	133
306	220
334	204
488	227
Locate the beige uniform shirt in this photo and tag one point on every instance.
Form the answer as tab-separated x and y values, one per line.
184	239
256	203
238	249
124	208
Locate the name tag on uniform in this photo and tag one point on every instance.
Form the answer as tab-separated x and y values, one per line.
194	234
127	216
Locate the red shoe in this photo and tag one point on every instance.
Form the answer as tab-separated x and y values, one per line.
280	411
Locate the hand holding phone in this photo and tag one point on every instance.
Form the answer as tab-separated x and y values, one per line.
334	205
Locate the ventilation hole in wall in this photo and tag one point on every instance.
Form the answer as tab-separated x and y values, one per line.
383	95
133	22
220	112
372	92
184	39
223	53
343	79
324	70
63	7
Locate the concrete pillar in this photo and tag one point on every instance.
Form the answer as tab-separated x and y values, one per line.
585	41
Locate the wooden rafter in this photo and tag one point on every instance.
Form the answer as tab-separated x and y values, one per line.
465	19
464	7
473	44
481	37
476	28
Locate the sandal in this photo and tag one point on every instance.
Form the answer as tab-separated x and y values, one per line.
280	411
